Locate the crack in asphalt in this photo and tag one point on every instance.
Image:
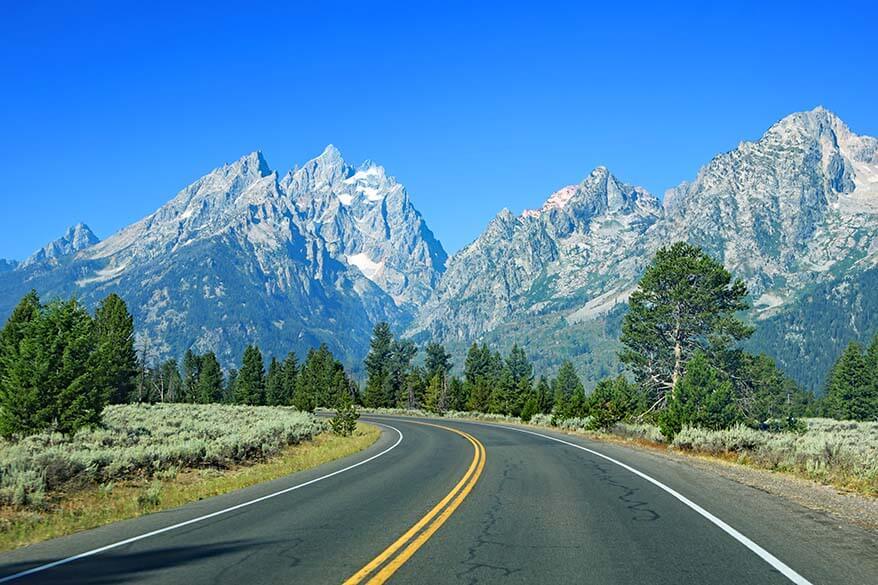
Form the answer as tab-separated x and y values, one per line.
605	473
485	536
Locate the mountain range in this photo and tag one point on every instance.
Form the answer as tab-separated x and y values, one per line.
323	252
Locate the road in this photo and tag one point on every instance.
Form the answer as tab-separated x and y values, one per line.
496	506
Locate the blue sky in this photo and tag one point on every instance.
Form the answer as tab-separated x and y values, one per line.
106	111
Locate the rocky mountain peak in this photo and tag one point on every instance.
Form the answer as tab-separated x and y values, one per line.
76	237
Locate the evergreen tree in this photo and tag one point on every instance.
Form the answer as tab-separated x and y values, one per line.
479	394
437	361
290	377
872	359
569	393
704	398
613	400
378	383
170	382
433	399
544	397
851	392
250	383
400	374
27	311
530	408
229	390
457	394
191	373
118	360
522	375
503	394
684	303
305	397
415	390
210	380
51	370
274	384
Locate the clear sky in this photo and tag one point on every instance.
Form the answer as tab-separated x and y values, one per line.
107	111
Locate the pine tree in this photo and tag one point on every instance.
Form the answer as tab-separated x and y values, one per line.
503	394
433	394
479	392
308	380
229	390
210	380
569	394
437	361
522	374
274	384
191	373
704	398
27	311
250	383
850	391
170	382
51	369
457	395
290	377
377	365
612	400
684	303
118	360
544	397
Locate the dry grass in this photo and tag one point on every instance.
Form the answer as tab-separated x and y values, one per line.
96	505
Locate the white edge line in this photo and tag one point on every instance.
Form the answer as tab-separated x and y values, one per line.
96	551
769	558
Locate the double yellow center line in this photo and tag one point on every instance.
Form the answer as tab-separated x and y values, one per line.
382	567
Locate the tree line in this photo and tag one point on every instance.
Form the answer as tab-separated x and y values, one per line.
681	346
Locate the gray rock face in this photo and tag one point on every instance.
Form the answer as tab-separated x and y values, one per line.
576	255
242	256
794	209
76	238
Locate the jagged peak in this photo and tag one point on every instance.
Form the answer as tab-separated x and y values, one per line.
76	237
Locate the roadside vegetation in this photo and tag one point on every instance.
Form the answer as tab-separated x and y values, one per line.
688	383
91	433
156	457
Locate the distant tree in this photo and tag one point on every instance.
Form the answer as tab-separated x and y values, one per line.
434	395
115	335
290	377
307	382
479	394
569	393
344	422
274	384
457	394
612	401
170	382
530	408
400	373
522	374
378	383
503	394
415	389
250	383
704	398
684	303
851	392
229	390
437	361
544	397
191	373
210	380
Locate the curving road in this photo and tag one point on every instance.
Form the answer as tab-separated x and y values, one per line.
491	504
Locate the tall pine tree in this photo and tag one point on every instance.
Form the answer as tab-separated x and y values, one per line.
118	360
250	383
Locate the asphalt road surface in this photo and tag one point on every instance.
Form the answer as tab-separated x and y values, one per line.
470	503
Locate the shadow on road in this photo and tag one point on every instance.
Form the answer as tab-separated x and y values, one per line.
121	567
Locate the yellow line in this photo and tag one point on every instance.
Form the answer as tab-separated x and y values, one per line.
457	494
